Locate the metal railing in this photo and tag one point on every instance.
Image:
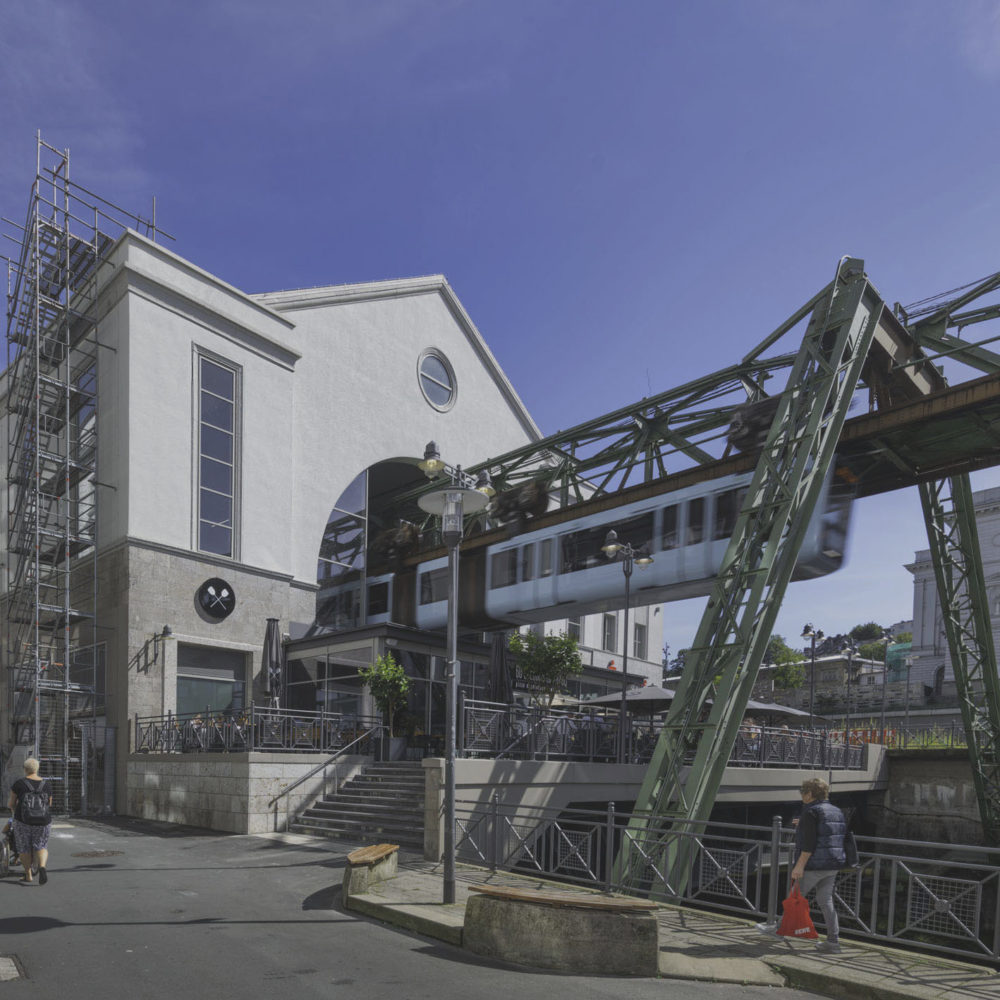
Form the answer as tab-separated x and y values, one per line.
275	730
492	729
926	896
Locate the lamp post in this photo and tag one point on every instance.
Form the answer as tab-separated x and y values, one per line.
886	638
460	496
627	556
850	649
814	635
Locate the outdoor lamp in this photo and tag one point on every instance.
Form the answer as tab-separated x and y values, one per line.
451	517
611	546
484	485
642	557
431	465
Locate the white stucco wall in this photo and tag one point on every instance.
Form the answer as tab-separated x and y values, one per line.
329	387
358	400
930	646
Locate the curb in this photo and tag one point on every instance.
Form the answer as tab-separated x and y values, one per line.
409	918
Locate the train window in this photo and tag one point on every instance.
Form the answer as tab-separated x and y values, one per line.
503	569
434	586
527	562
696	521
378	598
727	510
583	549
545	557
668	539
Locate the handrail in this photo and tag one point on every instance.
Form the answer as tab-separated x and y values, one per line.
322	766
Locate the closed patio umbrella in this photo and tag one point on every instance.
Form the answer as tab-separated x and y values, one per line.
272	663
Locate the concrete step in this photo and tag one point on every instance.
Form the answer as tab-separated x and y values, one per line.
403	817
386	790
360	830
385	801
367	795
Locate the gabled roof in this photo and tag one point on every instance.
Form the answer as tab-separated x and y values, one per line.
307	298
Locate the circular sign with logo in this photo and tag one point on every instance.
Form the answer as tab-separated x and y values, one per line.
216	598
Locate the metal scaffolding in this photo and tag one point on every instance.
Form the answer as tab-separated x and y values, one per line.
53	654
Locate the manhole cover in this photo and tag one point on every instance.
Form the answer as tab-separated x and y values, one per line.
96	854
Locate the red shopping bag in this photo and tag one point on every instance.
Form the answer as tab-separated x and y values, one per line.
795	919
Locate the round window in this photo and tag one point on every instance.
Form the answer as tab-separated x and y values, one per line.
437	380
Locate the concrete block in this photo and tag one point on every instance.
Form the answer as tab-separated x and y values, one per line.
563	938
359	877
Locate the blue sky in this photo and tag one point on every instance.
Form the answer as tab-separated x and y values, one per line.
629	194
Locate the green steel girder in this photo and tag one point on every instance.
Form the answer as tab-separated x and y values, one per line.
684	775
958	569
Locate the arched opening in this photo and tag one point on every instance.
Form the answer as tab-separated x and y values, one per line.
363	538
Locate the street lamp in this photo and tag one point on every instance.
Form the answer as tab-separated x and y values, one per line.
814	635
462	495
886	638
627	556
850	649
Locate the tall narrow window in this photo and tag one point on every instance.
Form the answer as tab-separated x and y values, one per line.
639	646
217	449
610	631
573	628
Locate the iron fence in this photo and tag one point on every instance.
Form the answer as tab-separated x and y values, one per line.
255	729
926	896
492	729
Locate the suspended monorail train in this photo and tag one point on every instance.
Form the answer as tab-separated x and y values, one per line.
560	571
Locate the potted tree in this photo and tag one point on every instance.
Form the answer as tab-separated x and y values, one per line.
389	686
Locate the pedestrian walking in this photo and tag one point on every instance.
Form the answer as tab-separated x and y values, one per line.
31	805
819	841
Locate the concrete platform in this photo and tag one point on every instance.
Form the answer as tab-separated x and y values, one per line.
700	946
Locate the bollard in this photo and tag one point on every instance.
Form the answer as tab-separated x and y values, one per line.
775	872
495	860
609	847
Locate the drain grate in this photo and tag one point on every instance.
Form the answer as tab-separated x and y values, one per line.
96	854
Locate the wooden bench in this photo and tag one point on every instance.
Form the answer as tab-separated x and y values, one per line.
580	932
368	865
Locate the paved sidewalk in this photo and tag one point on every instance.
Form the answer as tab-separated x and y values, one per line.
702	946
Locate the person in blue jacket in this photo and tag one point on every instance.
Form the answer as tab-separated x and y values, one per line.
819	841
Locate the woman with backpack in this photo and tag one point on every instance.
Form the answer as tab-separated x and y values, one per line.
31	804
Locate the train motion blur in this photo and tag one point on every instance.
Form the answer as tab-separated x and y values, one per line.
560	571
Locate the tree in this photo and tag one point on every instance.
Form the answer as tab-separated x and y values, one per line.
789	672
869	632
546	662
389	685
873	651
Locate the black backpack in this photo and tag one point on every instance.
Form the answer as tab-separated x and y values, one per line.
33	806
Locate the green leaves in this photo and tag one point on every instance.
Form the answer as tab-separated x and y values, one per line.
546	662
389	685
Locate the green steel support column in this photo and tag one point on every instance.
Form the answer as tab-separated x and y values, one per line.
683	777
958	569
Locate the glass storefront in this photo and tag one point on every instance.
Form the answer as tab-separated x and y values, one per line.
326	678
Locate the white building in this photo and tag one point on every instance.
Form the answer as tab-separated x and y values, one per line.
233	429
931	659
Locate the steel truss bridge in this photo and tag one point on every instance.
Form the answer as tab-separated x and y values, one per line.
784	415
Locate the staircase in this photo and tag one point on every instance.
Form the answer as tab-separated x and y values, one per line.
384	802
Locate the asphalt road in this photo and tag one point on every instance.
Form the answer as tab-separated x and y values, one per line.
152	911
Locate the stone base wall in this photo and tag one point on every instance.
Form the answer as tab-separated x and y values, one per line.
930	796
233	793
